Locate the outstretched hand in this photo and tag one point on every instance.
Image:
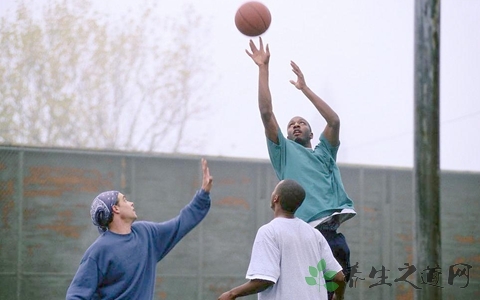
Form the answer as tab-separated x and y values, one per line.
226	296
260	55
207	178
300	83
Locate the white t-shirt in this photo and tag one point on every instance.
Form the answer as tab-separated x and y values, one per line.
283	251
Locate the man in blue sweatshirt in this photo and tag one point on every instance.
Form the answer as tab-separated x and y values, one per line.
121	263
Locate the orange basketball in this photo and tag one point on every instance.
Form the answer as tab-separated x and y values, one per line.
253	18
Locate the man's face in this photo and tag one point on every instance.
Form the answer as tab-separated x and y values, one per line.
126	209
299	130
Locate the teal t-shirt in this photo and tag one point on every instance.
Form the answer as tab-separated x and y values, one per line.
316	170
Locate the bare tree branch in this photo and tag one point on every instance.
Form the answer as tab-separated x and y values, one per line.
72	78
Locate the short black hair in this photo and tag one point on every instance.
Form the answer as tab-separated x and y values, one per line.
291	195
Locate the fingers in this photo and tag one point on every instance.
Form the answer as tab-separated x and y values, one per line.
253	49
207	178
252	46
295	68
206	171
259	55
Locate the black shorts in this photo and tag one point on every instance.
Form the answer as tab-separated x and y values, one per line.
341	252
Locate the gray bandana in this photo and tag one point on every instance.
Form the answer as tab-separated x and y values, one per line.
101	209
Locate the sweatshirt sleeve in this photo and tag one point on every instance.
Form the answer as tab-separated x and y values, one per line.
169	233
85	282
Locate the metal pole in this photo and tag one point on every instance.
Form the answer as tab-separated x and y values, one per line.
19	199
426	144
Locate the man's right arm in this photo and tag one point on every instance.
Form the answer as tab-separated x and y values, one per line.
265	105
261	57
84	284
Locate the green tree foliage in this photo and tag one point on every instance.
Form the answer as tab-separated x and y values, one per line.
73	77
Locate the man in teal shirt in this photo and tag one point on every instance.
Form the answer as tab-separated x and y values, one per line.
326	205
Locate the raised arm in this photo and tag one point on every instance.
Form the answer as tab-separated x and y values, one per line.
332	129
169	233
261	56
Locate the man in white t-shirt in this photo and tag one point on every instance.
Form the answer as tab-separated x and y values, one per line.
286	252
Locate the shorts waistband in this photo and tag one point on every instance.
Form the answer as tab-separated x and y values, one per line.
331	226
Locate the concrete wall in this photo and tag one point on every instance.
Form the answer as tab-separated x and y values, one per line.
45	225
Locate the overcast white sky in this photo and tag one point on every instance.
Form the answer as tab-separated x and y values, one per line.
358	56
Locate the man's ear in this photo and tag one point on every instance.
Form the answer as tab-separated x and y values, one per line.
276	199
115	209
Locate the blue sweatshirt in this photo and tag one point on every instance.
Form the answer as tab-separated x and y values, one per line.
122	266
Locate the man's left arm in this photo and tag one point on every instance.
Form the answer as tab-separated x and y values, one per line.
332	129
169	233
253	286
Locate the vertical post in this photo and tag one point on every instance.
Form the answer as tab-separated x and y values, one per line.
19	204
426	144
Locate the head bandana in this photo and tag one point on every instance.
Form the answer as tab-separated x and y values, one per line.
101	209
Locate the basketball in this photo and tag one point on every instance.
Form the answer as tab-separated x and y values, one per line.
253	18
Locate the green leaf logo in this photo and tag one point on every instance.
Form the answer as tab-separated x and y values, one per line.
311	281
313	271
322	265
329	275
317	272
331	286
